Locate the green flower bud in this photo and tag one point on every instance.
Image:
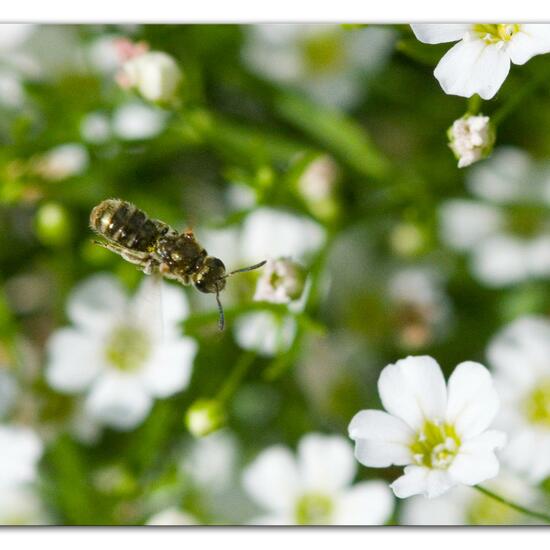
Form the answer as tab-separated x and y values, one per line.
53	225
205	416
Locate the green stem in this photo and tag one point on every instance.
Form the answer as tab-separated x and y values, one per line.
474	104
518	507
237	374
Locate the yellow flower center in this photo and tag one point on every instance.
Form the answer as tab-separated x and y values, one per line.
313	509
323	53
501	32
435	445
537	404
127	348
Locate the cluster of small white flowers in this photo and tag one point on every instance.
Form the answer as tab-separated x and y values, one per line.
21	452
325	61
506	246
315	488
519	357
124	353
471	138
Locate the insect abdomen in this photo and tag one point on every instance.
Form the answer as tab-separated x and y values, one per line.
125	224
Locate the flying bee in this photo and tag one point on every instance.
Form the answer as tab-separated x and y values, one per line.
157	248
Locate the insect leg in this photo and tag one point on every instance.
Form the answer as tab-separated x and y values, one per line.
143	259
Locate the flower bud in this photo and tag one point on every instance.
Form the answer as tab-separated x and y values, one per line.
155	75
317	186
205	416
281	282
52	223
471	138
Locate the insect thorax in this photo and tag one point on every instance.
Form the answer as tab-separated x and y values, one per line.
182	254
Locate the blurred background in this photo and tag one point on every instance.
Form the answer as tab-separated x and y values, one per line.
325	144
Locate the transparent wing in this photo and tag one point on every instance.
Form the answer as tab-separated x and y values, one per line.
148	306
160	306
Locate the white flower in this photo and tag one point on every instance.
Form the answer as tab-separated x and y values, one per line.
62	162
315	488
519	355
172	516
439	433
464	506
211	460
95	127
509	242
471	138
265	332
21	451
21	506
124	353
135	120
479	63
327	62
281	282
270	233
421	306
155	75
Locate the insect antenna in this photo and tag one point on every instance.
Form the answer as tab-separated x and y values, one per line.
221	321
243	269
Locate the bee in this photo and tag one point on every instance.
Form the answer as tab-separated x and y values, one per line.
157	248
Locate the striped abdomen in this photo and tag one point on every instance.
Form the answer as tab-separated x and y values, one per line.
123	223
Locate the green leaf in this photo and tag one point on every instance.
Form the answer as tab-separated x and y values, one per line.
336	132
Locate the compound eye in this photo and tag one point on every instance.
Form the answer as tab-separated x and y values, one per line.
216	263
202	286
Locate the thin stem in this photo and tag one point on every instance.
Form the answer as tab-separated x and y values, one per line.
474	104
518	507
237	374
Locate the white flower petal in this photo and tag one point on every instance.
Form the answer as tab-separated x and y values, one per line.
413	482
520	351
472	469
501	260
420	480
96	302
273	519
326	463
504	178
264	332
73	360
437	33
172	516
170	367
538	256
438	482
465	223
450	509
160	307
296	236
472	402
532	40
382	439
472	67
118	400
366	503
413	389
272	480
21	451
